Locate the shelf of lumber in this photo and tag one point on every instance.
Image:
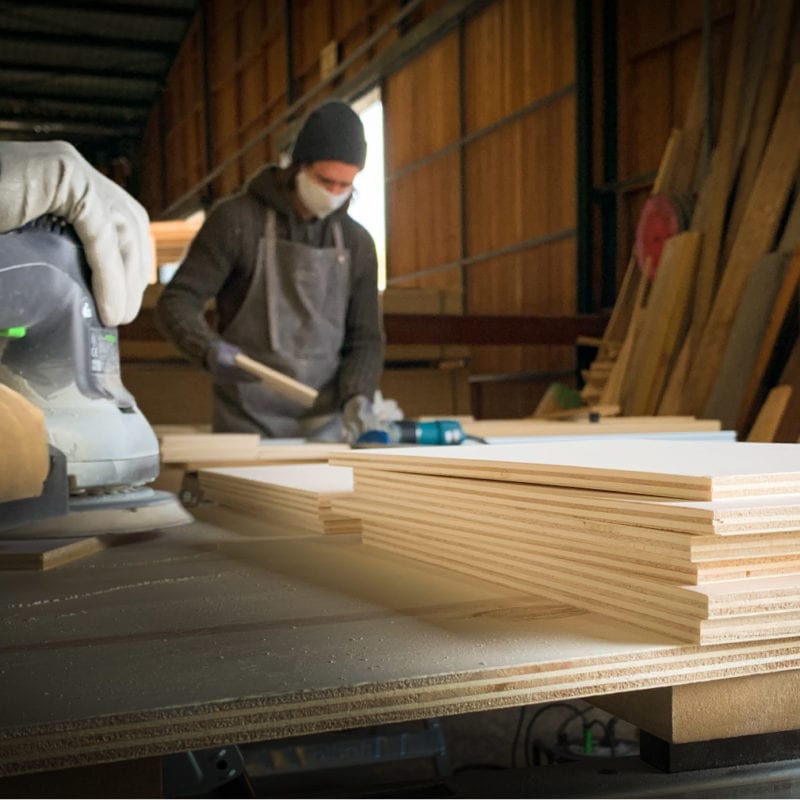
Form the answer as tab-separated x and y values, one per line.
198	638
444	328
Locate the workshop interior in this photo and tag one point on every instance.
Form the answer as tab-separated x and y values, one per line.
549	546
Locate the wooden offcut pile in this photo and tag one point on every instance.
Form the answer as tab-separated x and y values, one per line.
696	540
713	334
190	447
293	498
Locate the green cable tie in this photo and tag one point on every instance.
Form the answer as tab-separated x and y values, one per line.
587	740
14	333
109	337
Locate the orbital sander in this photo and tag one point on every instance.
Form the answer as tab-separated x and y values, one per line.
56	353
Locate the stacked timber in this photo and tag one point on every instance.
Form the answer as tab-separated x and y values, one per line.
179	448
495	430
297	497
699	541
706	329
193	449
171	238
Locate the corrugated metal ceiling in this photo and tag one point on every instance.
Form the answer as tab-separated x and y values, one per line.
88	72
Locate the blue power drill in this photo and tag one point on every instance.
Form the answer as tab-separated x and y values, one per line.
407	431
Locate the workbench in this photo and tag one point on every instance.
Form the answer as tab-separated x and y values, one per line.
198	637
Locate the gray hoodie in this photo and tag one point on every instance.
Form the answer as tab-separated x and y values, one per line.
220	264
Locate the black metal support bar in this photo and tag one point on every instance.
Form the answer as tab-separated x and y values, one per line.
490	329
77	71
32	96
20	36
162	153
139	9
289	39
429	30
207	126
517	247
67	125
712	753
608	201
462	167
583	121
479	133
708	94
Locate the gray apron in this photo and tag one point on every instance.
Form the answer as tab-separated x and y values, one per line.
293	320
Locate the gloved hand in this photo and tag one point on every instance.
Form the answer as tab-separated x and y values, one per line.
358	416
221	363
39	178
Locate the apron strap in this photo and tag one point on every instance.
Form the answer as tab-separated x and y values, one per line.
268	254
338	240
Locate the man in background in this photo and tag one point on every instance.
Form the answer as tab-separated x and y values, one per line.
294	279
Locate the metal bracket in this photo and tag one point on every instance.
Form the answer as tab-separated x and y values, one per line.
198	772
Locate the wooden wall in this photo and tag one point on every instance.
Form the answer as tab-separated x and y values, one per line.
659	52
480	127
480	160
243	46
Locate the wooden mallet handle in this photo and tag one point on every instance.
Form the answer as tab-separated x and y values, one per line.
284	385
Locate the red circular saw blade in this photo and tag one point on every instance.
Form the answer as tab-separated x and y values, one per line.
659	220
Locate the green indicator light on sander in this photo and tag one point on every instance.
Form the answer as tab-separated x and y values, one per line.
14	333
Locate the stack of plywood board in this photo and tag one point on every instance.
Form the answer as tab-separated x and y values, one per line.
495	430
190	447
296	497
707	333
186	449
695	540
194	448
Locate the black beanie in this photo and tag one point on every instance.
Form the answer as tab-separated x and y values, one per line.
332	132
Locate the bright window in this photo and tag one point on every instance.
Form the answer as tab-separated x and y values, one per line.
367	205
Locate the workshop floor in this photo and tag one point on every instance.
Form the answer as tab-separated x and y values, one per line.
499	739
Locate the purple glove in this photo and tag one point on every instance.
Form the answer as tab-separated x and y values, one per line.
221	363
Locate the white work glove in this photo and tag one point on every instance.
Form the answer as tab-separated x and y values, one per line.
358	417
39	178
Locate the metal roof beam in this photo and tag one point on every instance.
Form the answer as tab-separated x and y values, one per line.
87	40
34	96
73	70
14	126
127	9
43	116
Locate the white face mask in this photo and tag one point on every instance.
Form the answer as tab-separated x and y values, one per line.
319	201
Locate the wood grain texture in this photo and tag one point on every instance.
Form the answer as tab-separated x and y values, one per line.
665	323
190	446
785	300
701	614
278	382
769	416
24	456
713	710
605	426
788	429
724	168
745	341
655	519
684	470
284	638
41	554
754	238
297	495
631	559
776	16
